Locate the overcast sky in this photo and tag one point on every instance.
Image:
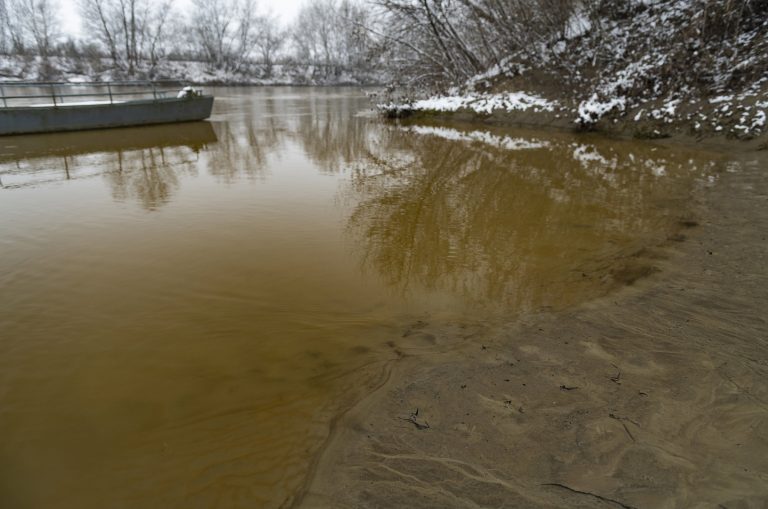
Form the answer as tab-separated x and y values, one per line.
286	9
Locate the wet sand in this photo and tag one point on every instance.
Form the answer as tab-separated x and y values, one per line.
655	396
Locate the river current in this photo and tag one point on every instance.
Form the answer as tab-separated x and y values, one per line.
185	306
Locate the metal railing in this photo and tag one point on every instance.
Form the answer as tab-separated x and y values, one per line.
62	93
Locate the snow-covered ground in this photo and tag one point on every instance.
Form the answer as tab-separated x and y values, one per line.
479	103
74	70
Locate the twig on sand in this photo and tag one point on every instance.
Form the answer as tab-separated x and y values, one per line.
617	377
622	418
599	497
621	421
413	419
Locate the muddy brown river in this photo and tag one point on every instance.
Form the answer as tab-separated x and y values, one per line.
186	308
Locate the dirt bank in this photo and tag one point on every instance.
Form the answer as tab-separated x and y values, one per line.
656	396
650	70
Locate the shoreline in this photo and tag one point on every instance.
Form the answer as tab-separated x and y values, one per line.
549	121
612	403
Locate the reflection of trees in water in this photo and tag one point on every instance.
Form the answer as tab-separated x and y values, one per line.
243	148
150	175
325	126
331	133
246	141
526	228
323	123
140	163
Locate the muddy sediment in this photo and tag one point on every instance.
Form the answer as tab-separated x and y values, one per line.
654	396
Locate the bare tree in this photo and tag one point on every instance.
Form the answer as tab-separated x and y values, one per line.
356	43
270	38
32	24
224	31
316	33
452	40
247	22
99	22
332	33
4	42
212	26
156	30
130	30
14	31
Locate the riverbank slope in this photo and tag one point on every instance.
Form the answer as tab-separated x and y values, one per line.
640	69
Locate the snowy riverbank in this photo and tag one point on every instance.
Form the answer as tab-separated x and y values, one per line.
29	68
660	80
741	116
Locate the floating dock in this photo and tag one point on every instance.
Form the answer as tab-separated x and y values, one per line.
53	107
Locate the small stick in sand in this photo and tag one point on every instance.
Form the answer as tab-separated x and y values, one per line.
413	419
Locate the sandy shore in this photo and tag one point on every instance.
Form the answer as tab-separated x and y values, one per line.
656	396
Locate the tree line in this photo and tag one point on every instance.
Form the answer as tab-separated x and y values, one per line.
229	35
432	43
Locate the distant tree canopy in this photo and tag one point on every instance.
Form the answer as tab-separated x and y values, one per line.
28	25
332	33
131	31
226	34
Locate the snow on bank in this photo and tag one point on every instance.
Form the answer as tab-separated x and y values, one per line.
593	109
485	104
78	70
652	71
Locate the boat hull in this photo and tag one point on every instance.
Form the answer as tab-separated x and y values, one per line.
27	120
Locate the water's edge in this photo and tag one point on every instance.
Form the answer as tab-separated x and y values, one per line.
296	292
373	455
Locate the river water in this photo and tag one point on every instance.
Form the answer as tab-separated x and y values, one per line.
185	308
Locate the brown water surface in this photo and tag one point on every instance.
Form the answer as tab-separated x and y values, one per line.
183	307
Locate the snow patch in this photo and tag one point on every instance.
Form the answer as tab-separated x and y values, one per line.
593	109
759	120
484	103
578	24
